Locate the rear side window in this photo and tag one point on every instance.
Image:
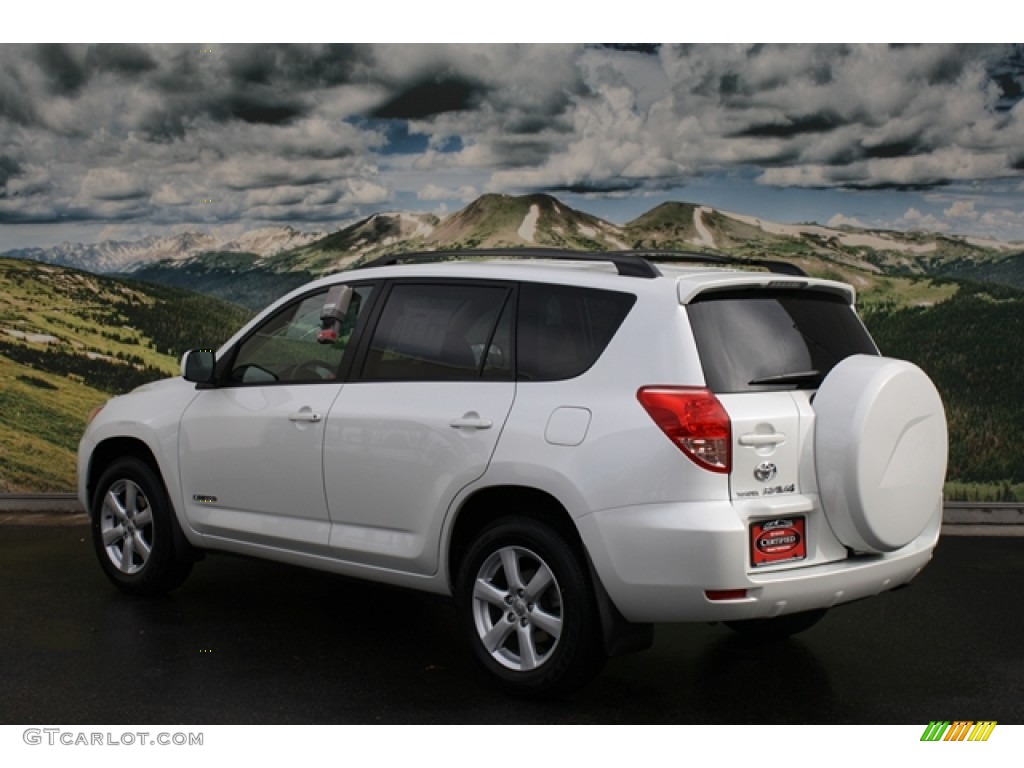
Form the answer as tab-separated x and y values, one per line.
752	341
563	330
440	332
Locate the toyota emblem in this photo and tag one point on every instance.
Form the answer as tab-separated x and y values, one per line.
765	471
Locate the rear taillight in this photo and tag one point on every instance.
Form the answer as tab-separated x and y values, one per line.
694	420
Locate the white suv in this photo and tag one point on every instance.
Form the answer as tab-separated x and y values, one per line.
574	446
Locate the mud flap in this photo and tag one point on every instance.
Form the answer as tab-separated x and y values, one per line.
621	637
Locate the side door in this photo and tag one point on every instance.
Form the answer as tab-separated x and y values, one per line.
419	419
252	447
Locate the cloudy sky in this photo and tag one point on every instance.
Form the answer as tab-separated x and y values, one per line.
118	141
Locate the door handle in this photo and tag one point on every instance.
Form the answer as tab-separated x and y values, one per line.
471	421
757	439
305	416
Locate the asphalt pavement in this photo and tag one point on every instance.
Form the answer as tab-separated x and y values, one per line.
252	642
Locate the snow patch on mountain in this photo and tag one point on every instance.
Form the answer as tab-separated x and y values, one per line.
421	227
529	226
270	241
34	338
704	236
849	239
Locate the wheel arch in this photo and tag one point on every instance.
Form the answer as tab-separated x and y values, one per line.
112	449
487	505
167	557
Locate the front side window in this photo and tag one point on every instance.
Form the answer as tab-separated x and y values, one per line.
285	348
441	332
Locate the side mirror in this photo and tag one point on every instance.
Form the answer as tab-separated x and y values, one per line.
197	366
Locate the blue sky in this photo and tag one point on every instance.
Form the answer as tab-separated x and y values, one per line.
120	141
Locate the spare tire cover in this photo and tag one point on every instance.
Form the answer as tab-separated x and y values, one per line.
880	447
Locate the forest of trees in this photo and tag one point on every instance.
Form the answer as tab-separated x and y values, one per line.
181	320
228	277
104	375
971	347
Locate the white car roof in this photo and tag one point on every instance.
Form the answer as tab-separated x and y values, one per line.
691	280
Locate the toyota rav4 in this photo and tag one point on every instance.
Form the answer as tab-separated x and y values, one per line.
573	446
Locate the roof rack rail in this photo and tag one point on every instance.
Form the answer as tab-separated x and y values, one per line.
637	263
626	264
713	257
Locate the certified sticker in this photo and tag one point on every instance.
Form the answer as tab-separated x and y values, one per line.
778	541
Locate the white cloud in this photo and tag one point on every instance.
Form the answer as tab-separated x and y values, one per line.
264	130
435	192
962	209
113	184
364	192
840	220
1003	223
915	219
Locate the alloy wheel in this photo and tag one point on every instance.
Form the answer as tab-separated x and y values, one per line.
517	608
126	525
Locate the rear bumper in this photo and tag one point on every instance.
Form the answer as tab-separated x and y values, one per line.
657	561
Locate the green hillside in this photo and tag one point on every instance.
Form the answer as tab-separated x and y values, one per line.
970	346
490	221
365	240
42	416
669	225
1005	271
240	278
68	341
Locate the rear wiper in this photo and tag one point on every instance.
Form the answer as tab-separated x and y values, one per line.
796	377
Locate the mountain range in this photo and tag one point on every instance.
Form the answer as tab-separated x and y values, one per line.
130	255
259	266
541	220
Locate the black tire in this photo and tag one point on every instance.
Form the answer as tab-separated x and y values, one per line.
136	537
778	627
527	606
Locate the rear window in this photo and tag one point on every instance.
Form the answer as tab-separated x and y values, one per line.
752	341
